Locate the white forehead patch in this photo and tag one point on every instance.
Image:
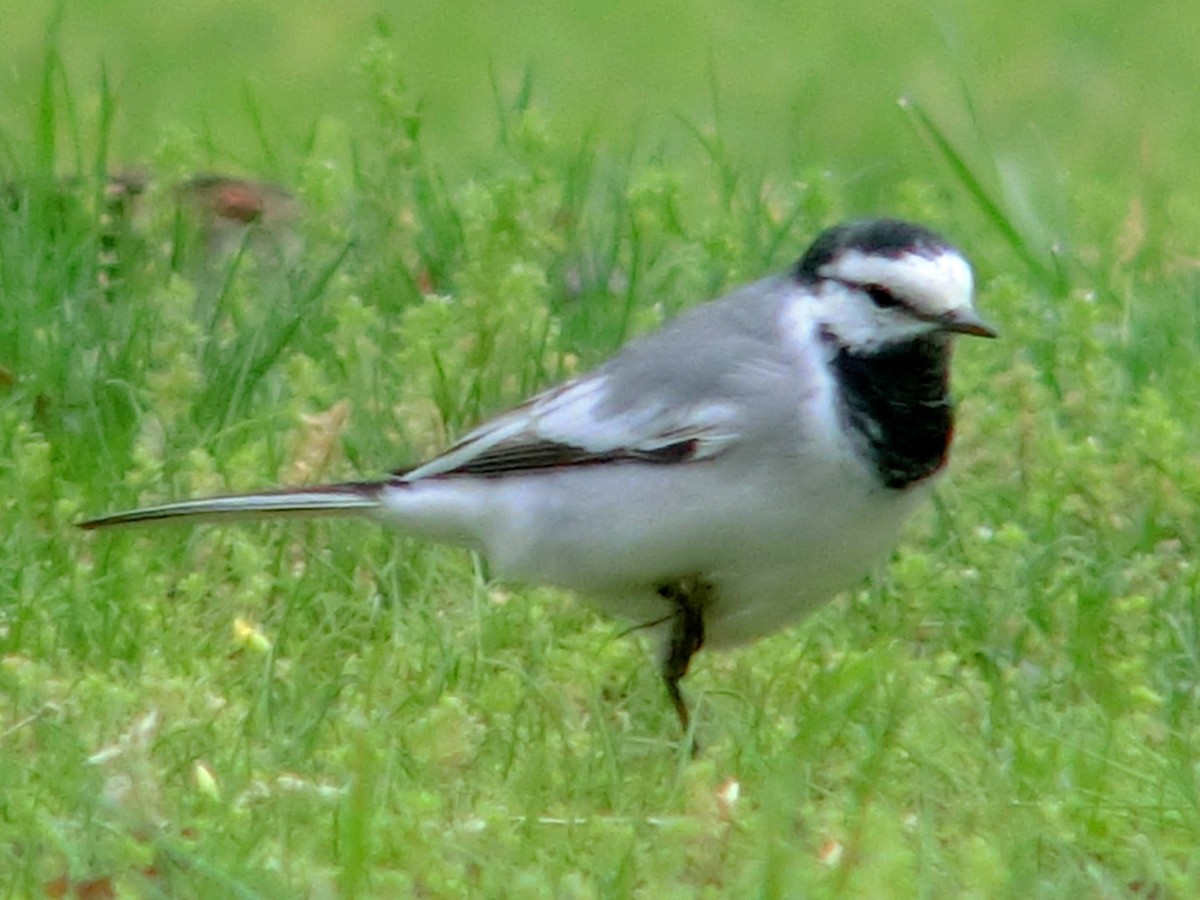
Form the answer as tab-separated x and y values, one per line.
930	284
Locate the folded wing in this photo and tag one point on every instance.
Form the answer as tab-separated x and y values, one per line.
574	425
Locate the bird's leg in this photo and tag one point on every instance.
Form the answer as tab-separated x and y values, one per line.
687	636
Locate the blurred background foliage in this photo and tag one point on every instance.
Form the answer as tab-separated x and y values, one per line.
1103	88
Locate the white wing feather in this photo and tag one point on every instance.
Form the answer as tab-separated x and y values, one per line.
574	417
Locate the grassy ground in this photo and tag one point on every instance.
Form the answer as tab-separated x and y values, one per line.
1011	708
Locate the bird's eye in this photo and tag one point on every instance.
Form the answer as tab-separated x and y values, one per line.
881	296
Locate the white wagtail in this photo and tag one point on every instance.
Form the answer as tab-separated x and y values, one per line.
715	480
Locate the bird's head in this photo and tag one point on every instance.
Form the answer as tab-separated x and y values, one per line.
880	282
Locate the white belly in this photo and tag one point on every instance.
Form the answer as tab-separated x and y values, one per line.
773	552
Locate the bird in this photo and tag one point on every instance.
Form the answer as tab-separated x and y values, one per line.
715	480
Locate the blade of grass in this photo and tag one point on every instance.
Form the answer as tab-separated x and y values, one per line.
925	127
46	123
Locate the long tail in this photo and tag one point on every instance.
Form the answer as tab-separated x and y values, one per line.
324	500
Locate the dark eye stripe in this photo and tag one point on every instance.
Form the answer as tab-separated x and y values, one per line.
881	296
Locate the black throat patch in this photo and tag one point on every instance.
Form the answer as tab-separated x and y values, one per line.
897	399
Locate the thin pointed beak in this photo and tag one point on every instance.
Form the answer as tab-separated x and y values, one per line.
967	321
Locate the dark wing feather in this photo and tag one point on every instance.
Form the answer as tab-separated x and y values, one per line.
533	455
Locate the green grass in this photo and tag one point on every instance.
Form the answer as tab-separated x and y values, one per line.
1009	709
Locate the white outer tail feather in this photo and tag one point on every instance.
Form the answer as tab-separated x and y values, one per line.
327	500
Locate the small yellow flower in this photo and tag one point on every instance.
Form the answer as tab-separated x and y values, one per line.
206	780
247	634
